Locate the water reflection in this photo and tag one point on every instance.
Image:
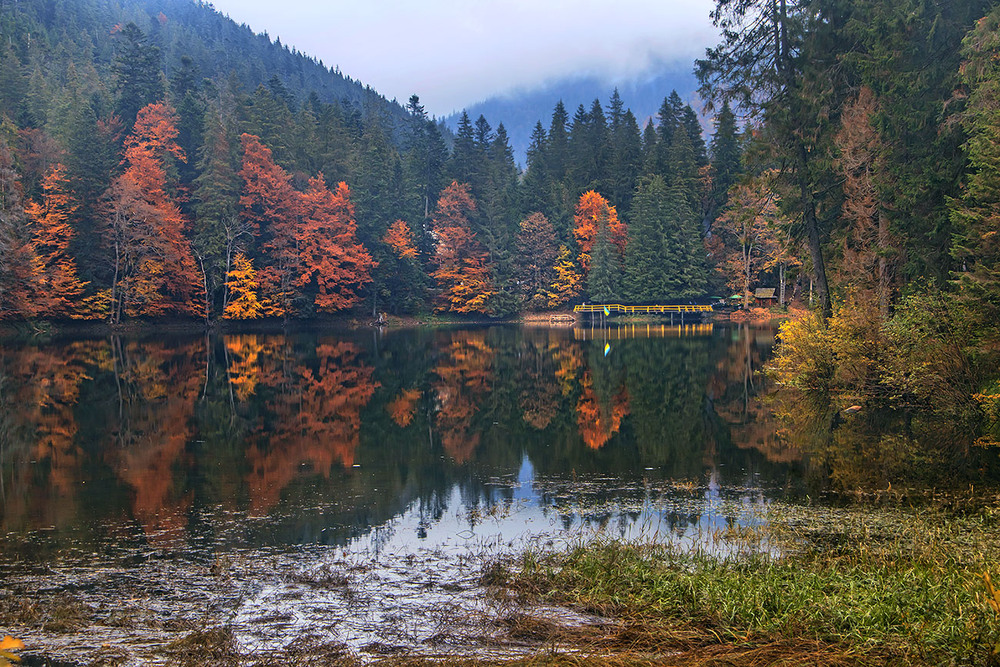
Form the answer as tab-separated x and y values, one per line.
315	438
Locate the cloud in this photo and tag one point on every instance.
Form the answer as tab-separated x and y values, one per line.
455	52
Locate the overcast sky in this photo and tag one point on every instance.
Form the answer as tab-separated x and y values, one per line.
454	53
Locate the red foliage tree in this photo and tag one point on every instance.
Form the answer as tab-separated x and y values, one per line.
271	207
155	270
399	237
55	277
462	270
593	212
330	259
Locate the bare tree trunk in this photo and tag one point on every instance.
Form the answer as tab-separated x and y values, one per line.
114	286
781	297
204	283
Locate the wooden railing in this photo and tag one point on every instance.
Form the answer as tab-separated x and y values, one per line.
627	310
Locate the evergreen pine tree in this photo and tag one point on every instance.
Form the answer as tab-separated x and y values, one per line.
725	158
650	261
138	71
463	157
604	278
626	161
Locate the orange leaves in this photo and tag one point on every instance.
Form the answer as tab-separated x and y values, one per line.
7	647
155	271
314	420
462	270
400	239
311	254
55	279
465	378
329	257
267	197
598	423
592	213
403	408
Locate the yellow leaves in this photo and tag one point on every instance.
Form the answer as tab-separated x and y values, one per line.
403	408
7	645
993	602
242	283
567	284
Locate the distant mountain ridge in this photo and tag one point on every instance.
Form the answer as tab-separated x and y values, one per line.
520	110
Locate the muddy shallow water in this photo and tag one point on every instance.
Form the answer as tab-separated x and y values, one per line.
347	490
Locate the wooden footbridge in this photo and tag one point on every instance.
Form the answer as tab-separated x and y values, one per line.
608	308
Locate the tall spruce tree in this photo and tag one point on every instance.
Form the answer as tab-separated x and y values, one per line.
726	158
650	261
138	73
604	277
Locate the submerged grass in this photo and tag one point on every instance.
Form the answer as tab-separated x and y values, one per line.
906	588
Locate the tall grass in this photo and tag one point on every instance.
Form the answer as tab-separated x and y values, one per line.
904	588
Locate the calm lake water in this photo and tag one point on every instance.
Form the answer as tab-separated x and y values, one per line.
343	485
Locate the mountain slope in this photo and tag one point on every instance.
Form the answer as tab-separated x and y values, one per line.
43	39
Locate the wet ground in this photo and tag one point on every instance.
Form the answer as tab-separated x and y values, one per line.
415	585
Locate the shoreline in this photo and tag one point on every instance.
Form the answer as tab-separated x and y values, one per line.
556	319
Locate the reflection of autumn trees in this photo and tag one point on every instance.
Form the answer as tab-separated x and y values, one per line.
539	391
743	397
243	364
39	391
403	408
158	387
312	417
599	420
464	376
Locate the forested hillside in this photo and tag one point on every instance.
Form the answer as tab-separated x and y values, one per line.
52	48
159	161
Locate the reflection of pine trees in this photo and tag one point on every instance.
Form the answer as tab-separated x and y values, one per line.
667	392
274	423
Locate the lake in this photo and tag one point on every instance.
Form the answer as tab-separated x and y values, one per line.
347	486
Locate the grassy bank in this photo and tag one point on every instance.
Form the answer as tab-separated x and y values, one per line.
905	589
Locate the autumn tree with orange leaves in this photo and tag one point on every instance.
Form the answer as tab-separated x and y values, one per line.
462	271
57	286
312	260
593	212
270	207
332	264
154	269
399	237
403	286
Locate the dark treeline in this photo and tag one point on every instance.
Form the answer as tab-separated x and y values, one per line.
179	165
